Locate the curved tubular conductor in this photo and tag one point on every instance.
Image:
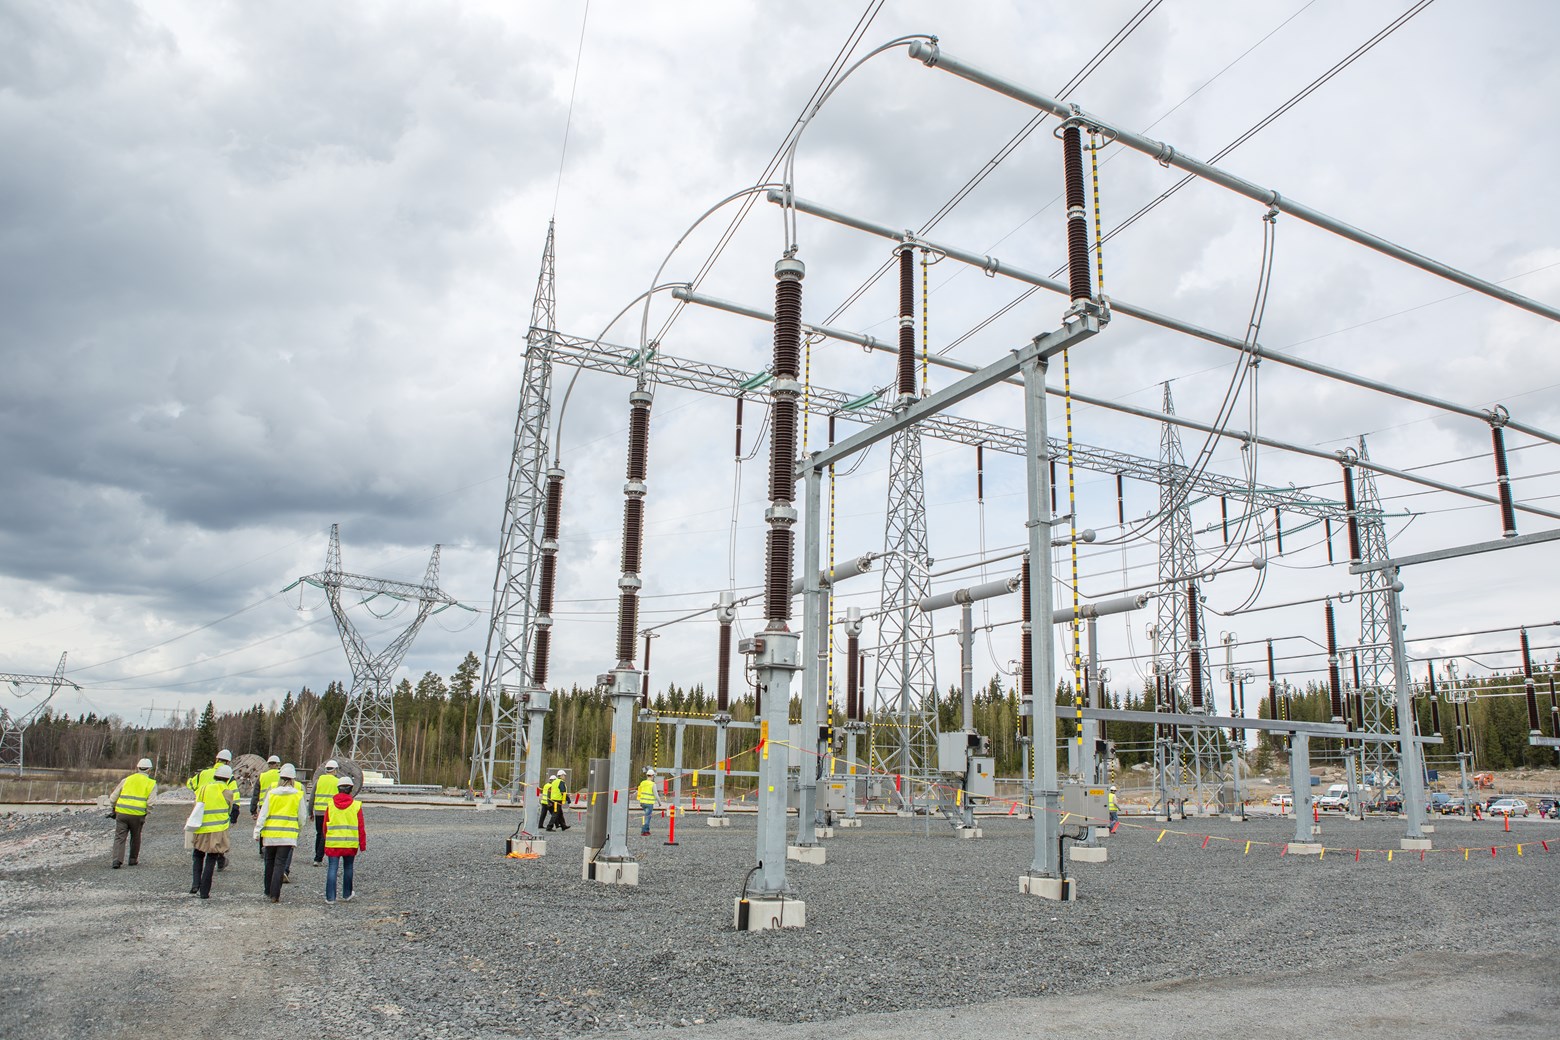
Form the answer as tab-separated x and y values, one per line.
788	169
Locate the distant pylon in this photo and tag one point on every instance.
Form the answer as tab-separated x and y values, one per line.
1378	687
367	731
13	728
499	737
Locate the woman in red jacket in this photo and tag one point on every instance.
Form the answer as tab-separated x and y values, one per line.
345	836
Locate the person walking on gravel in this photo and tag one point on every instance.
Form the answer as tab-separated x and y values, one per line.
647	798
202	778
545	795
217	801
560	792
277	826
321	792
345	836
128	803
266	781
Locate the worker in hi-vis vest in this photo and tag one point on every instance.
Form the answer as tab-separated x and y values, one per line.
323	790
647	798
128	803
277	826
216	803
345	836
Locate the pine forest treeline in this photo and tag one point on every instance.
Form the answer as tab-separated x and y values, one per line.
435	717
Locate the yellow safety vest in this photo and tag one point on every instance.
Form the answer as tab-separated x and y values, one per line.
647	792
202	778
325	789
215	818
341	826
268	780
281	820
550	791
1110	802
135	793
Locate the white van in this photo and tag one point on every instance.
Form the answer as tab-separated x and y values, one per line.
1336	798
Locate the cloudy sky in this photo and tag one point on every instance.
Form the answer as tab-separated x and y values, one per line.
265	268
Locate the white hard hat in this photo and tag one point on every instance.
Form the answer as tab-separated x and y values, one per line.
346	782
145	763
288	772
224	773
649	772
224	755
273	758
331	764
1112	787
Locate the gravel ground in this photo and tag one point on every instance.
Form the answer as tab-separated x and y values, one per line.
449	939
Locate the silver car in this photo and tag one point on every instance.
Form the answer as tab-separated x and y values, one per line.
1508	807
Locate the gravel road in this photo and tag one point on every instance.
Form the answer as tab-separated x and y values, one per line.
910	934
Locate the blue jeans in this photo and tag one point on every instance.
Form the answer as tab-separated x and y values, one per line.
649	809
346	877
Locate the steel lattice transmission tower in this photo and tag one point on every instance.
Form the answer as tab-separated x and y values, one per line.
1378	688
904	720
1180	633
13	728
506	675
367	731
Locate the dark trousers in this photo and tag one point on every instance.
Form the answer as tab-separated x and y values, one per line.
204	866
127	826
560	821
278	864
319	837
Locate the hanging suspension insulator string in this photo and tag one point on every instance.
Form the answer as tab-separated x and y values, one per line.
1508	513
1334	680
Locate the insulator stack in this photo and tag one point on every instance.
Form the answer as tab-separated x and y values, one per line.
644	689
1121	502
1194	644
906	356
1334	681
1224	517
853	710
780	548
1053	486
1278	530
723	680
1077	229
1351	509
1554	711
738	452
1026	679
1327	533
552	517
1508	511
1272	683
980	473
1435	705
1457	726
633	524
1534	726
1359	713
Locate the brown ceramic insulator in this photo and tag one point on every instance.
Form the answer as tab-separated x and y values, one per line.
1078	274
1354	520
723	680
1334	680
906	356
628	624
788	328
553	512
1195	654
633	534
1508	510
782	449
780	552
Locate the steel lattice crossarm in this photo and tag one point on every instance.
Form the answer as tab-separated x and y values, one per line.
13	729
378	586
878	406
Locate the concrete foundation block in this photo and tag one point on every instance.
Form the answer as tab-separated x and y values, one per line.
1415	844
1048	888
823	832
1088	854
903	812
1427	828
969	832
806	854
1237	818
1303	848
717	821
528	846
613	872
1352	816
760	915
849	821
482	806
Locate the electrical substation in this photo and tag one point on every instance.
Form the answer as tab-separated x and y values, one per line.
832	752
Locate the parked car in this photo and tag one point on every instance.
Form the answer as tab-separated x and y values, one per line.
1508	807
1390	804
1282	802
1452	807
1549	808
1335	800
1438	800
